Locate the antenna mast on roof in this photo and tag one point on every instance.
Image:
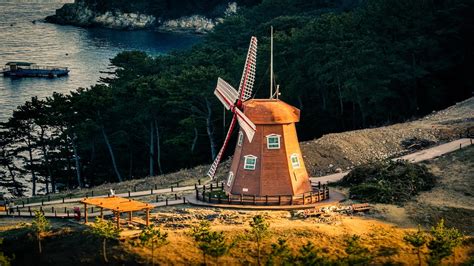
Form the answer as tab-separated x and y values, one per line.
271	62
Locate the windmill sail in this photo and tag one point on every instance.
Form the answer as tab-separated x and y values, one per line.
248	74
226	93
228	96
246	124
217	160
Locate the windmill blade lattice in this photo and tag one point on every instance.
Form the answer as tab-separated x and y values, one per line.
232	100
212	171
248	74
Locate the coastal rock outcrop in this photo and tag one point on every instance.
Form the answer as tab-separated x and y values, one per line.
198	23
85	14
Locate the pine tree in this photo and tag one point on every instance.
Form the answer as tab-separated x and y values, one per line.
357	254
259	230
211	243
443	242
153	238
39	226
417	240
105	230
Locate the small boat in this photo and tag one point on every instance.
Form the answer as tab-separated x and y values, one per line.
26	69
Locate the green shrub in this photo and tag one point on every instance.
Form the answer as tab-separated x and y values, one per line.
152	238
357	254
388	181
39	226
417	240
105	230
443	242
4	260
216	193
259	230
211	243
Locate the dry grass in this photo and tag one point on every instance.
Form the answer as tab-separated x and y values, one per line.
376	235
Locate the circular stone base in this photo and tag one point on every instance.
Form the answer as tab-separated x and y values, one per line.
334	198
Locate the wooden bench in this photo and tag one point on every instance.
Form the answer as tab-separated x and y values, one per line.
362	207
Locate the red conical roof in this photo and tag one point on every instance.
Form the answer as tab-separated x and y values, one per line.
267	111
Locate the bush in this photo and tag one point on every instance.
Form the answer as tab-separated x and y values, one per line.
4	260
357	254
388	181
216	193
443	242
211	243
259	230
417	240
39	226
105	230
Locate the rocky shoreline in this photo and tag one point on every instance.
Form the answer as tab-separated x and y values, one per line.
80	14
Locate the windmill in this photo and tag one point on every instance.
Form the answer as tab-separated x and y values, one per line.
268	162
233	100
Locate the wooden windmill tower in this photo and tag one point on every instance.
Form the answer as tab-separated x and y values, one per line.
267	160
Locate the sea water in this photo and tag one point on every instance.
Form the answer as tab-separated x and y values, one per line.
24	36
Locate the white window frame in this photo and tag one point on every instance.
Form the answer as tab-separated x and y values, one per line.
240	140
250	166
296	164
230	179
271	136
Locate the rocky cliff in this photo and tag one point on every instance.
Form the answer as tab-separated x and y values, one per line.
100	13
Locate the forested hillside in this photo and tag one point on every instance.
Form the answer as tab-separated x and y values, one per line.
345	64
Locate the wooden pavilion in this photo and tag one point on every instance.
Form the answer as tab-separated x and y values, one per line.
118	205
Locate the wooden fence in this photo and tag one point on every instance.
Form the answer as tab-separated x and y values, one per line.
215	194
